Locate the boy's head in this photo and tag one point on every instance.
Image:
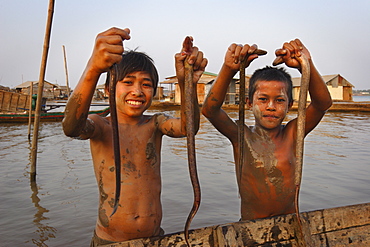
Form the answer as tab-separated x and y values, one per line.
269	73
133	61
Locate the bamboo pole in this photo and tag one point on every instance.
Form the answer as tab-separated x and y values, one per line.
66	70
30	112
40	90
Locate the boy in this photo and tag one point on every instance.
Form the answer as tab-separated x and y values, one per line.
266	183
140	212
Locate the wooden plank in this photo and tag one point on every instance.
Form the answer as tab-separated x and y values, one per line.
22	102
343	226
333	219
14	102
356	237
7	99
1	100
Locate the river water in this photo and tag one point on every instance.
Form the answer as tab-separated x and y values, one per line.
61	208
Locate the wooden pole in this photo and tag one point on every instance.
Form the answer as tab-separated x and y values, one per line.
66	70
30	112
40	91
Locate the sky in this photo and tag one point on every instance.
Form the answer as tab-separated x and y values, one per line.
336	32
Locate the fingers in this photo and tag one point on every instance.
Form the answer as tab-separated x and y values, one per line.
290	52
240	52
294	47
124	34
108	48
187	45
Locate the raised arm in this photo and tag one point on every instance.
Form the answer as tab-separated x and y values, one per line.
319	93
108	50
175	127
215	98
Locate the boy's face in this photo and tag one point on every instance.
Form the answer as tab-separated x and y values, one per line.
134	93
270	103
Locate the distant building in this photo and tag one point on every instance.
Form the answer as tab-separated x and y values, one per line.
51	91
340	89
49	88
203	87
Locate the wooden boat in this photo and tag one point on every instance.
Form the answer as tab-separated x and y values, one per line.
17	117
342	226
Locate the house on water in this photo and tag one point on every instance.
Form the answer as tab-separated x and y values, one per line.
203	87
340	89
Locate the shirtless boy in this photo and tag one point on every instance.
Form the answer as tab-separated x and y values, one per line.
140	211
266	183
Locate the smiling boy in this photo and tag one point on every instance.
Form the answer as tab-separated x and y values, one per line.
266	178
140	211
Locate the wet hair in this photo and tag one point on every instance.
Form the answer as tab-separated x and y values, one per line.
269	73
134	61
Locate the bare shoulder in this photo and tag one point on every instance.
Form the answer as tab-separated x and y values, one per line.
97	126
168	125
161	117
290	129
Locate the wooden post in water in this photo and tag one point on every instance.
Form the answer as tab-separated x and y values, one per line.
40	91
66	69
30	112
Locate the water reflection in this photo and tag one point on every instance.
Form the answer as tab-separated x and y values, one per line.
43	231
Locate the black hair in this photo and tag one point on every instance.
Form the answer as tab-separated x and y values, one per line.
269	73
133	61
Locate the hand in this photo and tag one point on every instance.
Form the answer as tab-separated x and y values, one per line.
108	49
236	53
288	53
194	57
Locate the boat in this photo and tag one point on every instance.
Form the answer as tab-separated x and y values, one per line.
340	226
16	117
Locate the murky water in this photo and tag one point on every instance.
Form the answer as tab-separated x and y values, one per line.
61	208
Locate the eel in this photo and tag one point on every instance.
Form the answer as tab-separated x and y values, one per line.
242	110
115	133
303	237
190	134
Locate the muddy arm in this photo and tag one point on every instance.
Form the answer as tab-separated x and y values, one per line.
75	123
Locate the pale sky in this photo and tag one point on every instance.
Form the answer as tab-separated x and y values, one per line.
336	32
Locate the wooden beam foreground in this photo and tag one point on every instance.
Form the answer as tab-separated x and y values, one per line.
342	226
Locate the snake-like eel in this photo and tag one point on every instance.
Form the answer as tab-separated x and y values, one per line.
115	133
190	134
301	120
242	109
